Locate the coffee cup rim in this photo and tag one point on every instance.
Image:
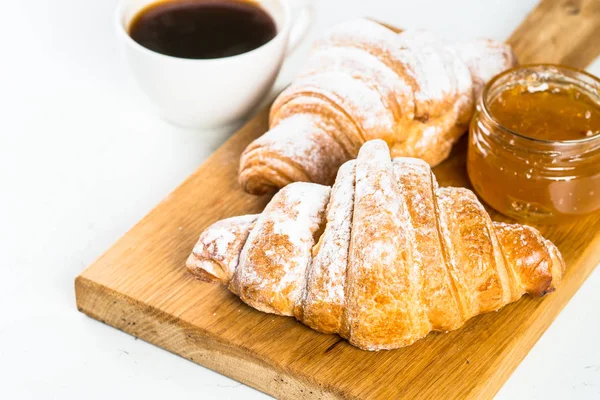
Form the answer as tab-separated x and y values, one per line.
122	32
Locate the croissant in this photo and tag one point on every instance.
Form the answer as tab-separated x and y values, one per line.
382	258
363	81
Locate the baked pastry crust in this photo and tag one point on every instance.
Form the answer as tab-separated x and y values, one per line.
364	81
382	258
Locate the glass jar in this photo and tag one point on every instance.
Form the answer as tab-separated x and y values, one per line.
534	179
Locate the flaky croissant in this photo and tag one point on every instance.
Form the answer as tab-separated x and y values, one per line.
364	81
382	258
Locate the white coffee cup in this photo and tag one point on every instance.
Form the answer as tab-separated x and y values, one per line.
213	92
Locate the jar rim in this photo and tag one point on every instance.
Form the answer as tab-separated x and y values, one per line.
540	67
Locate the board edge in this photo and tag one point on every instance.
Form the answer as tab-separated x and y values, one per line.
148	323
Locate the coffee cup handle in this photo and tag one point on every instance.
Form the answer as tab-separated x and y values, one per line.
301	25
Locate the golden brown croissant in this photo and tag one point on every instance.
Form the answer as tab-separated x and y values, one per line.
363	81
382	258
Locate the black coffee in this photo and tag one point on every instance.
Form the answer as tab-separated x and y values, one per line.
202	29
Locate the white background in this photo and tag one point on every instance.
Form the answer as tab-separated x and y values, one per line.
83	158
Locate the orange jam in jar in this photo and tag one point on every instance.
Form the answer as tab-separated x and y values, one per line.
534	143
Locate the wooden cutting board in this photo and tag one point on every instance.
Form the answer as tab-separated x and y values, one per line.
141	287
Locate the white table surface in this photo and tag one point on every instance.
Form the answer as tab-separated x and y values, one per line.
82	159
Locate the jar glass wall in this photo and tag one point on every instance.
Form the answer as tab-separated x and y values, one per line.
534	179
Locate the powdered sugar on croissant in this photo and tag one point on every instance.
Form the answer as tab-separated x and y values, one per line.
271	274
382	258
363	81
216	255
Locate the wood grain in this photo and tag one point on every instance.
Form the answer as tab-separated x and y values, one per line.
559	31
141	287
